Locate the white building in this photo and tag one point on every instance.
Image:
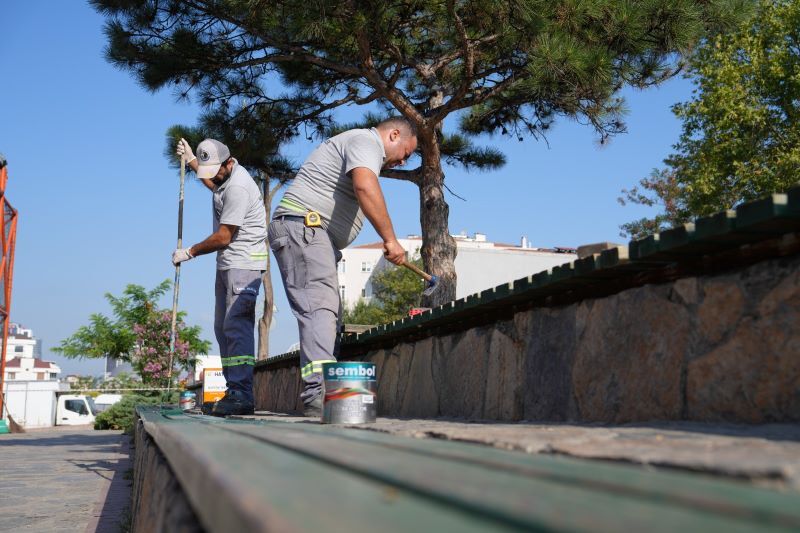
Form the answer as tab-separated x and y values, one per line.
480	264
31	369
115	367
22	343
24	357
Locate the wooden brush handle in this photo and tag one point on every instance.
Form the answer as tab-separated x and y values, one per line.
424	275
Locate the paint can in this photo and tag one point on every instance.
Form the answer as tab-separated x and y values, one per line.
350	392
188	400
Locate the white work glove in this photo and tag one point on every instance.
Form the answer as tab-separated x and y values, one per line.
180	255
184	151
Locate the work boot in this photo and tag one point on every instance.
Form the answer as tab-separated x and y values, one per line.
233	403
313	409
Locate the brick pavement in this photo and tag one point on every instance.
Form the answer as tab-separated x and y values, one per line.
64	479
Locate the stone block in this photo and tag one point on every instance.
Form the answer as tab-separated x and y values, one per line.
686	291
393	378
722	306
755	375
460	373
420	399
629	359
504	376
548	357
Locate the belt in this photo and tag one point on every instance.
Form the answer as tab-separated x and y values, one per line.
299	218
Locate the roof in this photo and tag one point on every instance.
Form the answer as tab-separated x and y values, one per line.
501	245
16	362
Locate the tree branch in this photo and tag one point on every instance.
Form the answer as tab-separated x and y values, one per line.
391	93
469	60
414	176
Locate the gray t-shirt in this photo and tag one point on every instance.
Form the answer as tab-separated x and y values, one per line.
322	184
238	202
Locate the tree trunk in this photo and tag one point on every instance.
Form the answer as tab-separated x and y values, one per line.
438	247
266	279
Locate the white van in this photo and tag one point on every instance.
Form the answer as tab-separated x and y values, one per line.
74	410
104	401
38	404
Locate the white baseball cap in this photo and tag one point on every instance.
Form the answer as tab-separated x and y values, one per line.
210	156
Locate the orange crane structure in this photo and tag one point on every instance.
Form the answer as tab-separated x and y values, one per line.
8	236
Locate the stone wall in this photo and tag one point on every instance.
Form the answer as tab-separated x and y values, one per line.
712	348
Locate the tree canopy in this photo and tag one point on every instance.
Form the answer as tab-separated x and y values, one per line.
139	333
740	138
395	291
498	66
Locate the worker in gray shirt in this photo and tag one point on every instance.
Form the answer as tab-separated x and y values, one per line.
321	212
239	238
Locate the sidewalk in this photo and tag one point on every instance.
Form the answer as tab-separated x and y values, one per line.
64	479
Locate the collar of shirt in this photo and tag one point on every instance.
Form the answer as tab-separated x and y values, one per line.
377	135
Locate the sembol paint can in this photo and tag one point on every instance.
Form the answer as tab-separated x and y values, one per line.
350	393
188	400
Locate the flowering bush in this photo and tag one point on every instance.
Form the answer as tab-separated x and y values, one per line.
139	332
151	352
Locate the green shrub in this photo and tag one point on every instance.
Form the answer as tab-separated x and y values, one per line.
122	415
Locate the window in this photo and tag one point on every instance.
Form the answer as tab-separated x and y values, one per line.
10	375
19	349
366	266
341	292
53	375
341	266
76	406
363	293
40	376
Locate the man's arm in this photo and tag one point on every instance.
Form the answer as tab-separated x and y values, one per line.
216	241
370	198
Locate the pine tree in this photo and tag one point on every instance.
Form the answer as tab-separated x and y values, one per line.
498	66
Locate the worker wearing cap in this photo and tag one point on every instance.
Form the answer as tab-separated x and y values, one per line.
322	212
240	240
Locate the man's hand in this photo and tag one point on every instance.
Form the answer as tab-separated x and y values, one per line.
180	255
184	151
393	252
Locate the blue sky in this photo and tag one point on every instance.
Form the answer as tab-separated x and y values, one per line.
98	200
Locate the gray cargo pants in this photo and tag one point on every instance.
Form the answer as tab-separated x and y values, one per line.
307	261
236	291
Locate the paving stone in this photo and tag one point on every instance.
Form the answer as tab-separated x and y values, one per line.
63	479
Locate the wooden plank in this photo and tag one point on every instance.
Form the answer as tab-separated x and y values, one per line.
668	487
772	215
237	484
531	502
